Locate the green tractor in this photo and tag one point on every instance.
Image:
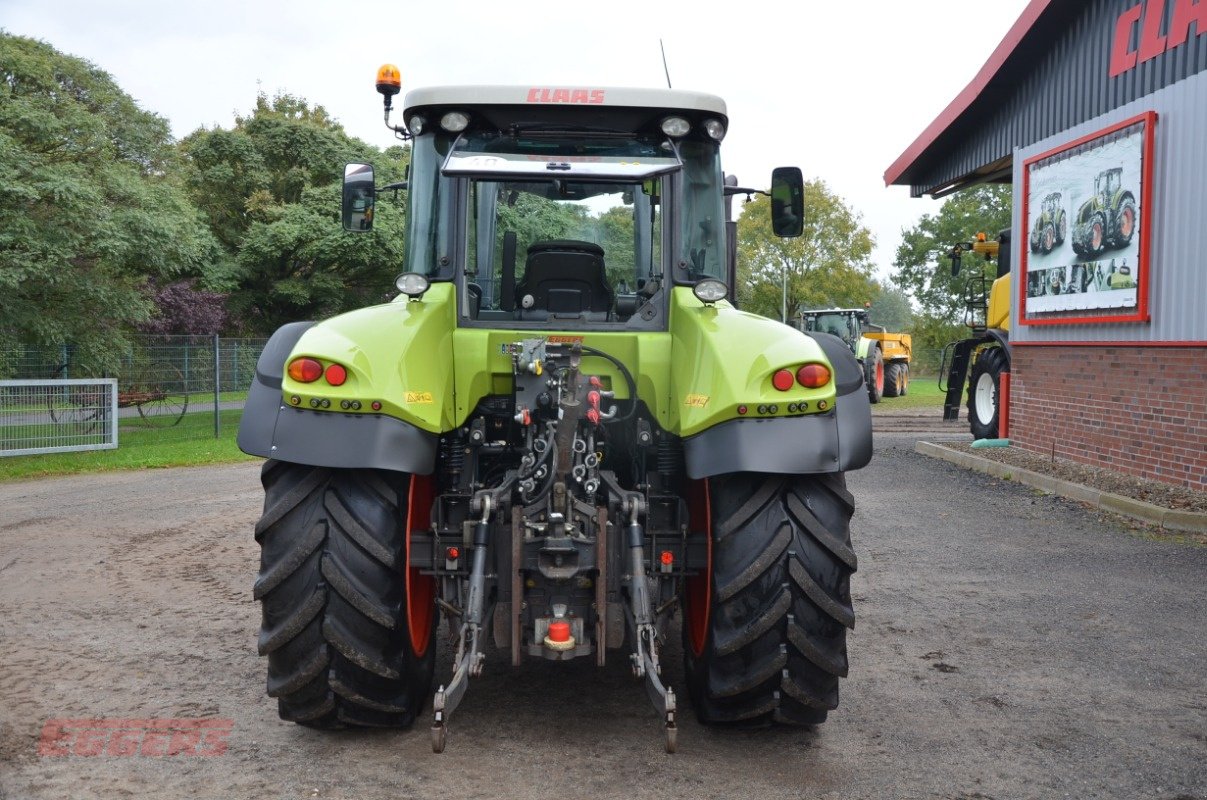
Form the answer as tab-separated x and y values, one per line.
1051	226
561	434
884	357
1106	220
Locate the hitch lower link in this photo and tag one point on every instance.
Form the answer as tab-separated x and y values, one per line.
645	660
469	657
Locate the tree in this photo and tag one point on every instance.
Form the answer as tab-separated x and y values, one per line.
90	205
828	265
183	309
891	309
921	266
270	188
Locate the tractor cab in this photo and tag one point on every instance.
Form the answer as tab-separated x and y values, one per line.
1107	183
847	324
571	208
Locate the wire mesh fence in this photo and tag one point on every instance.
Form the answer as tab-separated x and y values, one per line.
176	386
925	363
57	416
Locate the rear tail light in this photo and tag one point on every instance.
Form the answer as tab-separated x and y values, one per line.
782	380
336	375
813	376
305	370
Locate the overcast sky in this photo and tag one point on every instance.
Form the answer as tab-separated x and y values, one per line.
839	89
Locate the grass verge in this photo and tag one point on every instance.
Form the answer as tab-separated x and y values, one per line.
191	443
923	393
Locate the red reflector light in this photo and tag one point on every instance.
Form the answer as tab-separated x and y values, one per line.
813	376
452	553
376	405
559	631
782	380
336	375
667	558
742	409
305	370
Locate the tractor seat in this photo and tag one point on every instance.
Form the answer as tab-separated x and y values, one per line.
564	278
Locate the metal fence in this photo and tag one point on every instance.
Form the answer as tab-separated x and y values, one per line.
57	416
925	363
171	387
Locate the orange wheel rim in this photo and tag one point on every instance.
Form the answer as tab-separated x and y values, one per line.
420	588
699	587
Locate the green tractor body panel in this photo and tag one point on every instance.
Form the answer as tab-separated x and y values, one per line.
484	365
724	358
399	354
861	347
409	357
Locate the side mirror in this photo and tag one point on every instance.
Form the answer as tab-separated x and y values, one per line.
787	202
358	197
955	265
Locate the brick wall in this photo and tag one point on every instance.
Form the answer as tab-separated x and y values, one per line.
1137	410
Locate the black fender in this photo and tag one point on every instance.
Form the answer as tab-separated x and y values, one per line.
271	429
836	441
1002	338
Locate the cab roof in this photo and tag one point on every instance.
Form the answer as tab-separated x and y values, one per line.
605	106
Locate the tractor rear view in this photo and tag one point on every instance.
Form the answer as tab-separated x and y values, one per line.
561	434
884	357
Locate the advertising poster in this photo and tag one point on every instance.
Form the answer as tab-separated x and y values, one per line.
1082	231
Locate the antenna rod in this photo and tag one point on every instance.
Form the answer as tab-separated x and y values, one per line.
664	67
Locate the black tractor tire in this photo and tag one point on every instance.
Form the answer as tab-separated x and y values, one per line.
984	386
873	374
904	388
333	586
894	377
1062	229
765	641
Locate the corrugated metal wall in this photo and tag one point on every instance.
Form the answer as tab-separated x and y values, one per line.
1178	227
1068	83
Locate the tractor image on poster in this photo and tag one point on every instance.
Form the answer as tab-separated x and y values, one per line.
1106	220
1051	226
561	435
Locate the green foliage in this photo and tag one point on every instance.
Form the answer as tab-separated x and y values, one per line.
829	265
921	266
892	310
90	205
303	265
270	189
932	332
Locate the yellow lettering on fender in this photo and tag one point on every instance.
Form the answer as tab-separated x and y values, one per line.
420	398
696	400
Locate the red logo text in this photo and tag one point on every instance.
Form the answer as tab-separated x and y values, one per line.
135	737
539	94
1152	42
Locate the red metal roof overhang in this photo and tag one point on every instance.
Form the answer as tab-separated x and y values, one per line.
972	91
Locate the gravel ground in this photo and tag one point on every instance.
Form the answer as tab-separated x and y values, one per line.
1008	645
